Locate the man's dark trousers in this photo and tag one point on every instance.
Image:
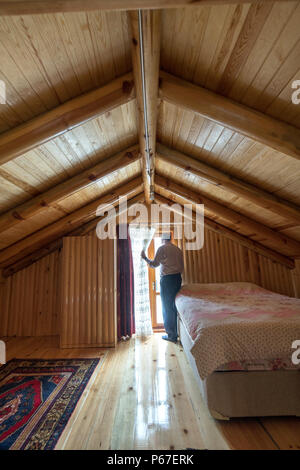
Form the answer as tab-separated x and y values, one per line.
169	286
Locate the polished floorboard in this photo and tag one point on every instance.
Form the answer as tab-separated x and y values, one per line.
143	395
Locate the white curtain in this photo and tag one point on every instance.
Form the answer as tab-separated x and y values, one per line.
140	240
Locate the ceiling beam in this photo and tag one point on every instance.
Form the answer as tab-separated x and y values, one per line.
145	35
281	243
139	199
65	117
30	7
66	224
232	235
230	183
57	244
235	116
67	188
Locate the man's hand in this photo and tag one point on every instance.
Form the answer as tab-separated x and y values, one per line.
143	254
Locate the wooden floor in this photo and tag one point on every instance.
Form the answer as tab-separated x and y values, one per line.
143	396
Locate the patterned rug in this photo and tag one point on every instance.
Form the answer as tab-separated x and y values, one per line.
37	398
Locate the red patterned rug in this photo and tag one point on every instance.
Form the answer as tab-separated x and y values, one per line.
37	398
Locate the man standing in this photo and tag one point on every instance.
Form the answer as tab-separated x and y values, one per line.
170	259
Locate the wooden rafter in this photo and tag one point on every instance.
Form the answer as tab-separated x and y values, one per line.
280	242
67	188
65	225
230	183
71	114
232	235
30	7
139	199
258	126
145	58
45	250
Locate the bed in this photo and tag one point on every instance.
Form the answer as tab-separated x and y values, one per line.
238	338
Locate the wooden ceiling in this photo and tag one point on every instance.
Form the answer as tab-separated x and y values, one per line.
72	131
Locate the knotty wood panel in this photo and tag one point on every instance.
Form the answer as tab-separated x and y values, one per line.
30	299
49	59
88	293
247	52
80	280
67	155
222	260
229	151
69	204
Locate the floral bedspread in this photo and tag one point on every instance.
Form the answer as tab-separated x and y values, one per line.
237	321
279	363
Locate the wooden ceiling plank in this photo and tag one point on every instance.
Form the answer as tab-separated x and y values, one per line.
65	117
281	242
255	20
57	244
151	23
230	183
30	7
58	229
67	188
276	134
232	235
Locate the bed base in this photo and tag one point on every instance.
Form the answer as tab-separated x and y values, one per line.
231	394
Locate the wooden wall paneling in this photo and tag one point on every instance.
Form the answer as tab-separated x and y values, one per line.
94	318
279	281
190	262
51	299
271	279
12	305
211	268
65	298
201	261
187	265
285	279
45	323
12	316
77	291
223	260
203	275
27	318
88	292
113	289
104	294
5	297
234	255
40	296
217	255
271	276
296	279
100	297
254	267
29	300
83	325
